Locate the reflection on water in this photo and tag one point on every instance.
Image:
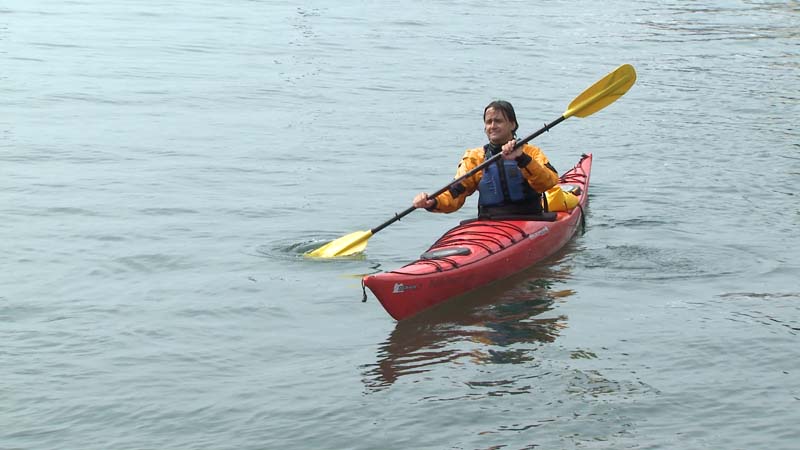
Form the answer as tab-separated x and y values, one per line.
500	324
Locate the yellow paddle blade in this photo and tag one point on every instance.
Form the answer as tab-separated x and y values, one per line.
345	245
603	93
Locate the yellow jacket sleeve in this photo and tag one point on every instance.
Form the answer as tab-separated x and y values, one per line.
453	199
539	176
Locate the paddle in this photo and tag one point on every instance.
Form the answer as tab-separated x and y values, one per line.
599	95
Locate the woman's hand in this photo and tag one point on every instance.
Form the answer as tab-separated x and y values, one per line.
422	201
509	152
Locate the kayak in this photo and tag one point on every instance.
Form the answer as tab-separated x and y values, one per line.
480	251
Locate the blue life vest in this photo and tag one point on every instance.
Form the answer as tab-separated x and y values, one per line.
503	184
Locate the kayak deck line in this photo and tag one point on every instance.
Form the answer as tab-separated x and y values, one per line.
483	239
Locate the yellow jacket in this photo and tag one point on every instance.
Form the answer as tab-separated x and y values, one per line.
539	177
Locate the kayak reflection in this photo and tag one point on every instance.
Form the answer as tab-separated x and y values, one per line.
489	326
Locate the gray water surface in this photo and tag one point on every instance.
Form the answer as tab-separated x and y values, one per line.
164	165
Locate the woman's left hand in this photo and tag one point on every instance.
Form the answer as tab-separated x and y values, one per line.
509	152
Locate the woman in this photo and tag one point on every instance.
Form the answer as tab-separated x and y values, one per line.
512	186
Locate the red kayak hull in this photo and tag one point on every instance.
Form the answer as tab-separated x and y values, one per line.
477	253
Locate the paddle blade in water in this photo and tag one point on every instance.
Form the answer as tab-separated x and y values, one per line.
345	245
603	93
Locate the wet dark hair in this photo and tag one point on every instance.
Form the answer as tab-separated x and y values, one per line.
506	109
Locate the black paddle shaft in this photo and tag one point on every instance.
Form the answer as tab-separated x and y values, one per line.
475	170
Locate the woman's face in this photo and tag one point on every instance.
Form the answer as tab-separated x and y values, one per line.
498	128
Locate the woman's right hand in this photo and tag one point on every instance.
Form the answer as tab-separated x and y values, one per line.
422	201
